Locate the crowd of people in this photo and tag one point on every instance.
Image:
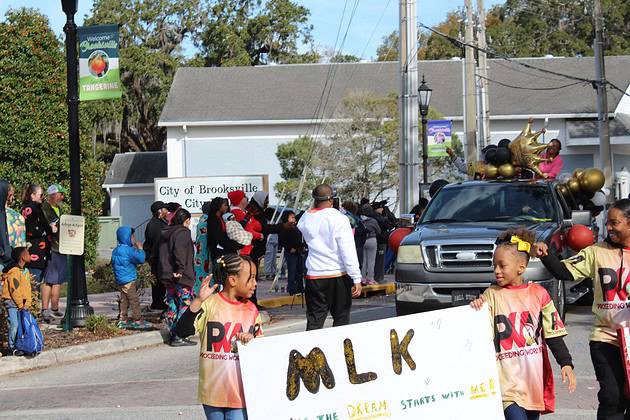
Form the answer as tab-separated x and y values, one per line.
29	254
237	225
207	286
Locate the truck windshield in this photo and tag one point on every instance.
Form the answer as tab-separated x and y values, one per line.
491	202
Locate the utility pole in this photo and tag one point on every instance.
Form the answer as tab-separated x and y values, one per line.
408	107
484	139
605	151
470	102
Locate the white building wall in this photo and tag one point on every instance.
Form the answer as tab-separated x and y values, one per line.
250	149
117	194
230	150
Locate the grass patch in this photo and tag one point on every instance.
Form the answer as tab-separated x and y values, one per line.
101	326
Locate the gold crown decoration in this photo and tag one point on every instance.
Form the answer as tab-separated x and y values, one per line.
526	150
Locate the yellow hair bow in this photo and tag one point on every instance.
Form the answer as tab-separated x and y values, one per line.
521	245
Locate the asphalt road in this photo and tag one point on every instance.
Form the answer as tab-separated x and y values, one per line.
144	385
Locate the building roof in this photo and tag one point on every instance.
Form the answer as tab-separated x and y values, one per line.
292	92
136	168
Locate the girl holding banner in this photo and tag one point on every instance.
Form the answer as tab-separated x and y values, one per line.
525	322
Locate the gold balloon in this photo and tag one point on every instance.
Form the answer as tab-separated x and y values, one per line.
507	170
526	150
574	185
592	180
491	171
577	173
564	190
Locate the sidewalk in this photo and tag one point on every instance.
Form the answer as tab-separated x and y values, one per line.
106	304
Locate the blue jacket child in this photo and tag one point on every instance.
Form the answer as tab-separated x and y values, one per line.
126	257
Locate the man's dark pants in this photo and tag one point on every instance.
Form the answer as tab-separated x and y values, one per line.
158	293
323	295
613	404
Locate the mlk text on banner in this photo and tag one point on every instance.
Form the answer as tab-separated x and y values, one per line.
439	137
99	69
434	365
192	192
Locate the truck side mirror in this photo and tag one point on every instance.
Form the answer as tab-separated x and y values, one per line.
579	217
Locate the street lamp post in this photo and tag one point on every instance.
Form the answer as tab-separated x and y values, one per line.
424	94
79	307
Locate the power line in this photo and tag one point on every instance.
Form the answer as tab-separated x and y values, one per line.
332	71
460	44
512	68
530	88
351	77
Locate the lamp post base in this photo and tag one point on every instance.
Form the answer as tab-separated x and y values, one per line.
79	311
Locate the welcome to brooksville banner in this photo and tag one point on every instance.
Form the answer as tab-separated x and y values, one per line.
99	70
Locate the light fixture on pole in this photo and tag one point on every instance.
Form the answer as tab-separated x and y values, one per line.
424	96
78	306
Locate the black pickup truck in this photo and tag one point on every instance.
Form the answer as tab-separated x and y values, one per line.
447	259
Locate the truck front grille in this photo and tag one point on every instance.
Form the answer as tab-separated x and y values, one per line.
459	257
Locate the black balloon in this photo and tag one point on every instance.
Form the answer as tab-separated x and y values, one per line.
503	155
491	156
504	143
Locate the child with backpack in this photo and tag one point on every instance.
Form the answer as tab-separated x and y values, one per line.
232	317
16	292
524	323
125	258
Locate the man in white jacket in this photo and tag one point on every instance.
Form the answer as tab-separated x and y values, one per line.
333	276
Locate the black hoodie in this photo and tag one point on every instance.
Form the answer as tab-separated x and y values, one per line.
176	253
5	248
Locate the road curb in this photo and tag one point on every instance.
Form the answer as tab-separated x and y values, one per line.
276	302
12	364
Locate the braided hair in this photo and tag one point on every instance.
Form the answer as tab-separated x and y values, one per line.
523	234
230	265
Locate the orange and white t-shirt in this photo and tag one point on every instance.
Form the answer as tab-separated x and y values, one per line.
220	383
521	317
603	263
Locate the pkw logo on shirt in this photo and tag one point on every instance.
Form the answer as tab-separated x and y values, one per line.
515	330
221	336
612	288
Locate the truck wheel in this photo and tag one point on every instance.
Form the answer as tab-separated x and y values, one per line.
557	293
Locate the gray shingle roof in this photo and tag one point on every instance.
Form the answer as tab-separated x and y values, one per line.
291	92
136	168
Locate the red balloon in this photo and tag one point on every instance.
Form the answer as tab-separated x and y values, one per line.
396	237
579	237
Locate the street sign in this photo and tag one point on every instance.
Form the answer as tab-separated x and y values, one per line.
434	365
192	192
71	234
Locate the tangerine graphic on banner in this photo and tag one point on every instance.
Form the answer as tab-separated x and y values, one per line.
99	69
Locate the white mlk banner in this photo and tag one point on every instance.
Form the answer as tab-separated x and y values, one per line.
434	365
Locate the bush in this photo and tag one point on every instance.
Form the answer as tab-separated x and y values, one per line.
101	279
33	117
100	325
